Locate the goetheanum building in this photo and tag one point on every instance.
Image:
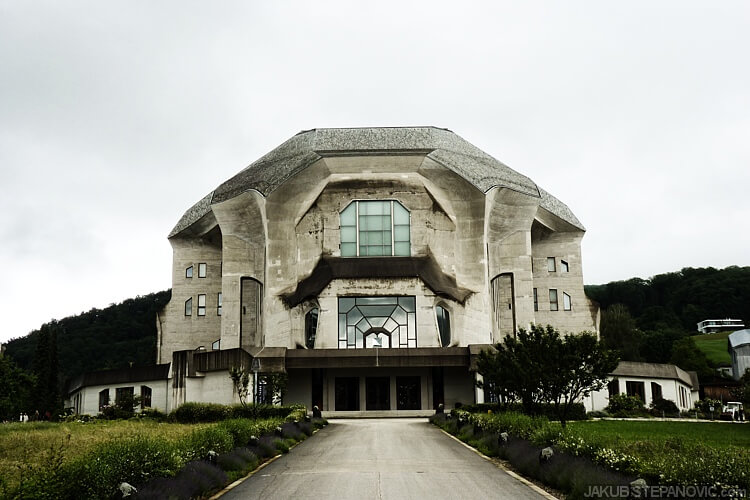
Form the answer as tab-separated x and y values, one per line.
370	265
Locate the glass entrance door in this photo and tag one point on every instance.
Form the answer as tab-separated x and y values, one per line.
378	391
408	393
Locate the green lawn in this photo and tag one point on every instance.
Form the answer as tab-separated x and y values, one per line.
707	433
671	452
24	444
714	345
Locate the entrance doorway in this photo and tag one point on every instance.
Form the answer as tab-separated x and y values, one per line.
408	393
378	392
347	394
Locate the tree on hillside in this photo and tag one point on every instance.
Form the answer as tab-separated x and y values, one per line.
687	356
46	389
618	332
16	387
542	366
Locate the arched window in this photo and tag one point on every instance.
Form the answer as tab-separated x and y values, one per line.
444	325
375	228
311	327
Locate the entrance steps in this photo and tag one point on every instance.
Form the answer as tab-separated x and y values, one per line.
378	414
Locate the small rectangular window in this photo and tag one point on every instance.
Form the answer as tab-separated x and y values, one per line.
218	304
536	300
564	266
552	299
189	307
551	264
201	305
566	302
202	270
189	272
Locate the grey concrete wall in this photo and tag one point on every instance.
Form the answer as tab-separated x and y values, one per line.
178	331
563	244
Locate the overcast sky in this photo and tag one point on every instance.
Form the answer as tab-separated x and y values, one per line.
115	117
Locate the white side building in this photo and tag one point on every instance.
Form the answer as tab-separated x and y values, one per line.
648	381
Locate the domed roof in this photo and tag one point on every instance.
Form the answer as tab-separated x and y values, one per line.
440	145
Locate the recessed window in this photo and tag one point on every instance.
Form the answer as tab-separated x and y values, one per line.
103	398
564	266
613	387
218	304
536	300
311	327
566	302
123	395
636	389
552	299
189	272
216	345
377	322
189	307
655	391
551	264
202	305
444	325
202	270
145	396
375	228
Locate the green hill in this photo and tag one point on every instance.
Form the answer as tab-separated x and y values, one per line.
714	346
100	339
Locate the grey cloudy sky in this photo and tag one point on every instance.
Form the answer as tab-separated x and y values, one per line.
115	117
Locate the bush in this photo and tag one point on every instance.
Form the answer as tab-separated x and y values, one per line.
622	405
664	407
193	413
577	410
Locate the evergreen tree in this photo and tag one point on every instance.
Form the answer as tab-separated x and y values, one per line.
46	391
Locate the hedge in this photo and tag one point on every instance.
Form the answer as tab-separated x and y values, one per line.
577	410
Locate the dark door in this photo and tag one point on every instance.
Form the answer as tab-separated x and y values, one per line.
378	391
347	394
317	387
438	397
408	393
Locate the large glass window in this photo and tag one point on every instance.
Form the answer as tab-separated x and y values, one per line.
444	325
375	228
311	327
377	322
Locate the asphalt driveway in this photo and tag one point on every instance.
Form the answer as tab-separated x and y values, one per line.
381	459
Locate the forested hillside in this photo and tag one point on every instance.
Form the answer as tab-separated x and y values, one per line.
100	338
680	299
653	319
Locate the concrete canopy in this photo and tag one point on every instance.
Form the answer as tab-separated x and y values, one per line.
440	145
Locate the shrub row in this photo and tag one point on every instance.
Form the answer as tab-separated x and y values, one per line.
660	461
577	410
192	413
136	460
527	437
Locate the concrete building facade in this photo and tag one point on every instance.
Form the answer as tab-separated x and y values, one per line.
370	265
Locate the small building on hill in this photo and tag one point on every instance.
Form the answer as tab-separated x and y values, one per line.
720	325
648	381
369	265
738	344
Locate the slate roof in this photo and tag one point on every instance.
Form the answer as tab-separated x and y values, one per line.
738	338
441	145
653	370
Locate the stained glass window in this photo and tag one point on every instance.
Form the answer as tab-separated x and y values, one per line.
377	322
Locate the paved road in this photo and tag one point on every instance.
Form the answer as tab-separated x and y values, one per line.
381	459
